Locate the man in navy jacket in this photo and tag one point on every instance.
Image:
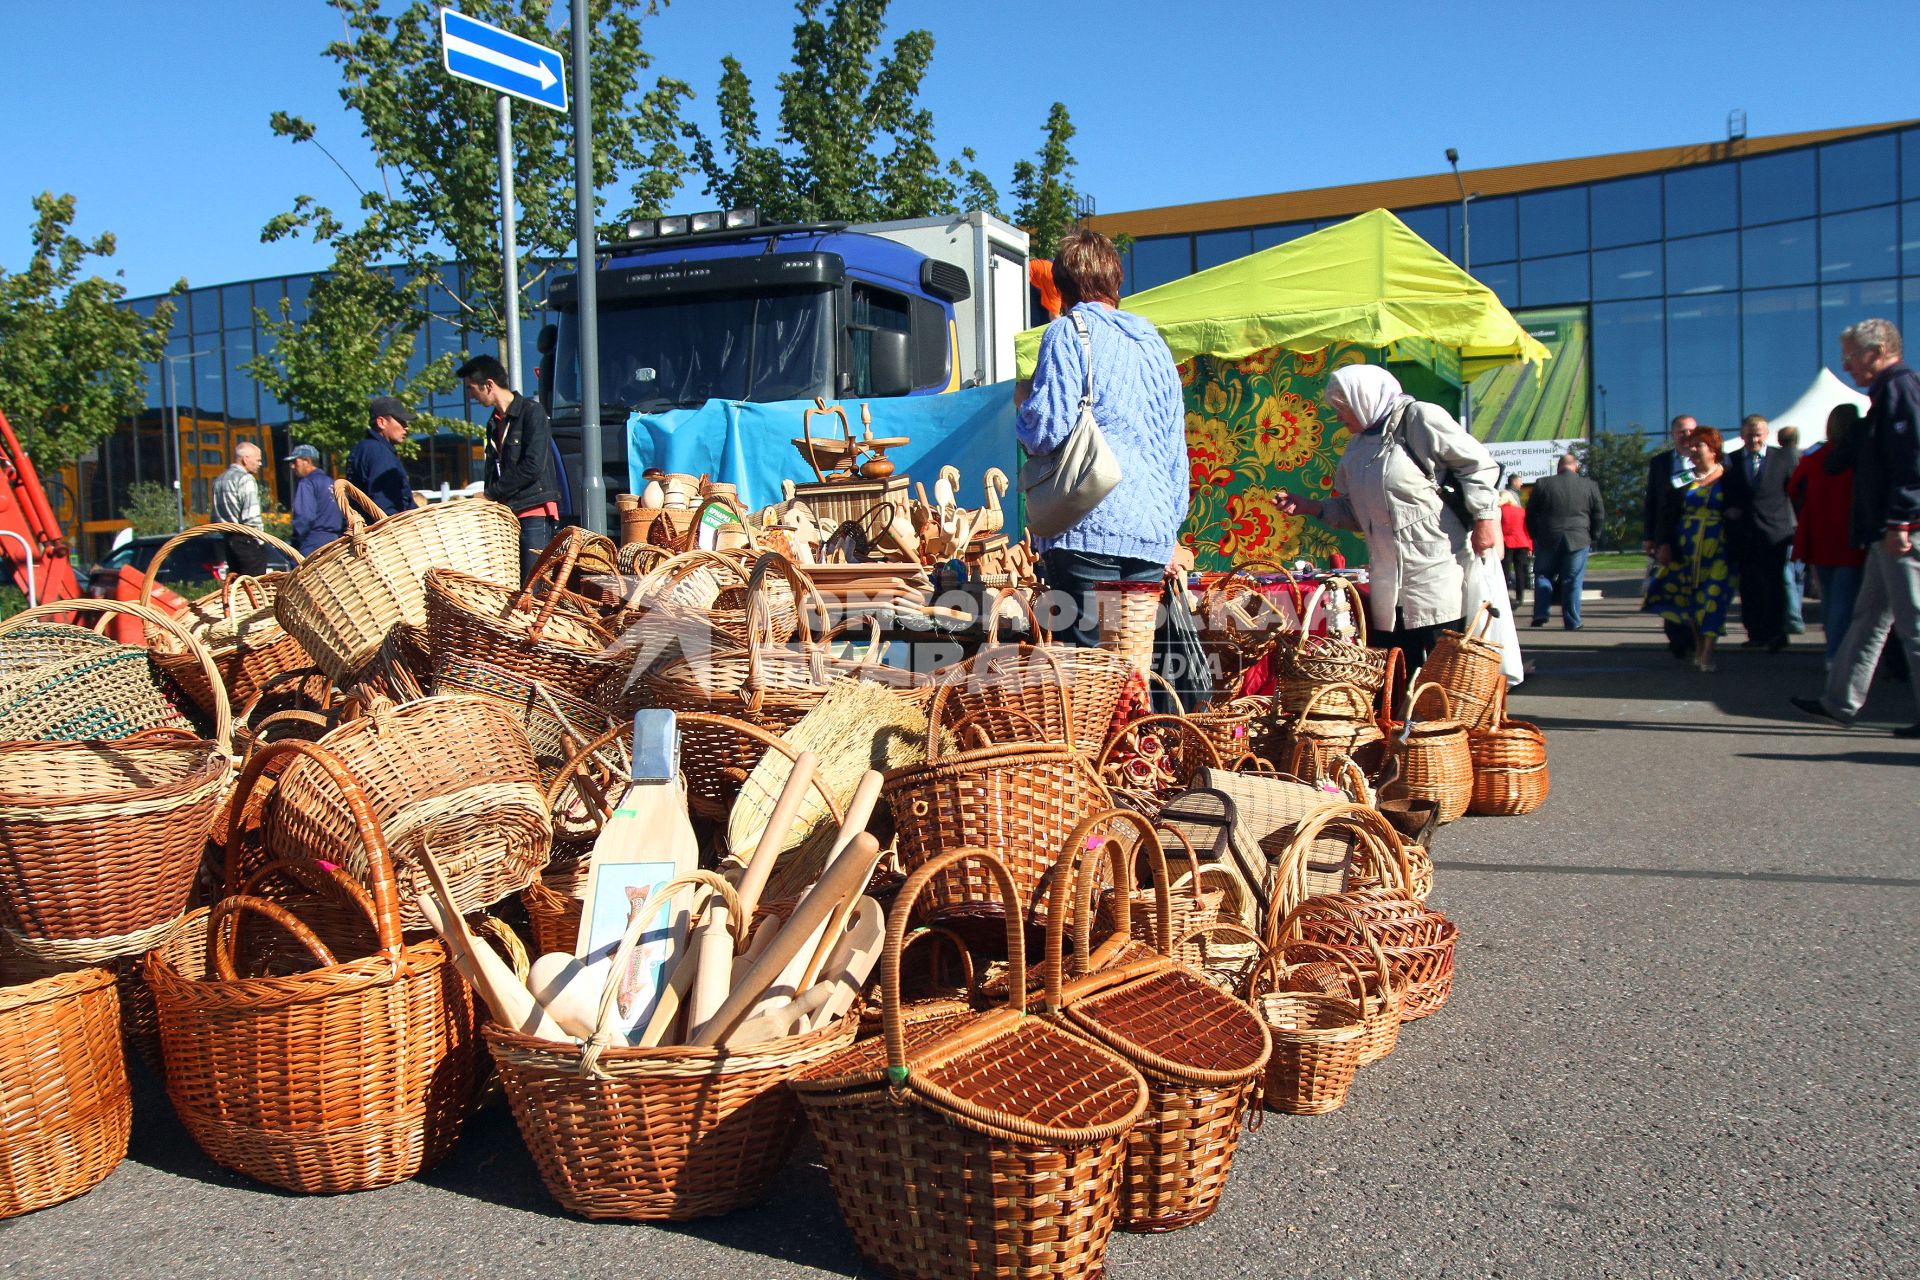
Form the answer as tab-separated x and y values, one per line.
1886	513
374	468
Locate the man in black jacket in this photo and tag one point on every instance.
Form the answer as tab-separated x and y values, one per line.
1564	516
1759	523
374	466
1669	472
519	463
1886	514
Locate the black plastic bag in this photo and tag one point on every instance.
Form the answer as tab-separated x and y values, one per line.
1178	655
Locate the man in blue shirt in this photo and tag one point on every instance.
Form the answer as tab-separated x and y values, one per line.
374	468
317	519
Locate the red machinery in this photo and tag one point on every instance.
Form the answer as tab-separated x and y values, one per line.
30	539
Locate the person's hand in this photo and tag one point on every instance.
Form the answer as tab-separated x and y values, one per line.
1663	553
1293	504
1486	536
1899	542
1646	548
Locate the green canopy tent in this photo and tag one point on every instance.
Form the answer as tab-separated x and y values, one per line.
1256	339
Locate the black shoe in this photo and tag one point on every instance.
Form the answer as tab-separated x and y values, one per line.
1818	709
1753	643
1538	622
1910	731
1576	626
1776	644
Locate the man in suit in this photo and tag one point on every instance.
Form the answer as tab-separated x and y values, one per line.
1668	474
1759	523
1564	516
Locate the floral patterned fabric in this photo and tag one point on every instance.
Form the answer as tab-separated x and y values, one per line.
1695	588
1254	427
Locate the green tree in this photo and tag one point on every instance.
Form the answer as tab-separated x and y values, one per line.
1043	187
356	341
436	198
151	508
1617	462
70	356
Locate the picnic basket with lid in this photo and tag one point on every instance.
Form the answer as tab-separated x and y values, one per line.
65	1106
342	601
1433	757
1199	1049
1311	660
307	1043
981	1145
1509	763
672	1132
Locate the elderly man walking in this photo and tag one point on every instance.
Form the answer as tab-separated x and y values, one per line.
317	518
236	500
1564	516
1759	523
1886	512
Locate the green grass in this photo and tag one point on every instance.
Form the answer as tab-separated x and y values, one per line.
1610	561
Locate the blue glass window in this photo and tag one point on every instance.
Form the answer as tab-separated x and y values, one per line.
1857	173
236	306
1780	332
1503	278
1703	359
1783	253
1845	304
1703	264
1632	272
204	305
1859	246
271	410
1157	261
1211	248
1910	163
1912	291
1553	222
1630	361
238	349
1490	228
1549	281
1700	199
156	388
206	396
1625	212
1777	187
144	306
1267	237
1430	224
298	287
1910	239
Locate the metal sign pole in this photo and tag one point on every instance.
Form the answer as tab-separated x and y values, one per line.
509	264
593	501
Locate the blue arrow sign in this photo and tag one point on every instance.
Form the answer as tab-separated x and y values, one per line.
502	61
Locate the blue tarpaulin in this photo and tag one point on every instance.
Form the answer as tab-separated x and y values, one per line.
750	445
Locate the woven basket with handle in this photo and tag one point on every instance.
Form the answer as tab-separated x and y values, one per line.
237	622
1434	760
1509	763
1467	665
1312	661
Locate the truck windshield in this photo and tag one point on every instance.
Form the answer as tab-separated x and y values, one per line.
681	352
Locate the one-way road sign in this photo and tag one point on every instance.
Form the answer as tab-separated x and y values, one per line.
502	61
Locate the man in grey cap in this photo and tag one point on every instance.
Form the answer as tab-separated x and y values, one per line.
374	468
317	519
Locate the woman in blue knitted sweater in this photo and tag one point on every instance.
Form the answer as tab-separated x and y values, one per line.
1130	536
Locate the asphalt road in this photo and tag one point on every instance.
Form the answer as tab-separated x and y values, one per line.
1682	1043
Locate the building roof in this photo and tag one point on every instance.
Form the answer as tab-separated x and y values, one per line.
1439	188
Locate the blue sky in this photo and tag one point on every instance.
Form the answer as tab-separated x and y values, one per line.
154	114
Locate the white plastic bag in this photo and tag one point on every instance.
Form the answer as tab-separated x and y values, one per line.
1487	584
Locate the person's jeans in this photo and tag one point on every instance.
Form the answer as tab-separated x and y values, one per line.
1558	572
1889	600
1796	584
1839	585
1069	608
535	533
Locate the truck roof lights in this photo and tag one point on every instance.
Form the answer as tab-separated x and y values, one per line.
674	226
640	229
739	219
707	221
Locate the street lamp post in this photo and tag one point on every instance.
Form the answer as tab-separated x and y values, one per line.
173	414
1602	389
1466	264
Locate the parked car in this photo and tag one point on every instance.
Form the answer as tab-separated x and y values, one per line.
201	559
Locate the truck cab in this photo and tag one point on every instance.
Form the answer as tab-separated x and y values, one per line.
745	312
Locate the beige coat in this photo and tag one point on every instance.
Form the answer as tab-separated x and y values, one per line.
1417	550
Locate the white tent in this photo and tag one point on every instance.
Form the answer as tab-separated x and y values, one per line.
1809	412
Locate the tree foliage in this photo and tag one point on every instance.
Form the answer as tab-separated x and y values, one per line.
1043	187
436	198
70	356
356	341
1617	462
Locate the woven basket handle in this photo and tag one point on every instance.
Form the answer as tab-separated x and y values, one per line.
637	924
1166	687
954	941
349	497
1237	892
1482	621
151	618
1340	583
1367	827
566	550
249	799
223	928
897	922
185	536
575	772
1070	885
1292	934
760	623
978	722
1274	958
1393	683
256	594
1413	701
1499	704
1040	635
1320	691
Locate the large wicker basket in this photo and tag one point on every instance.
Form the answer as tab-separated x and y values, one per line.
342	1062
1433	755
237	622
1509	763
981	1145
56	688
454	775
344	599
1467	665
1312	661
65	1108
1027	679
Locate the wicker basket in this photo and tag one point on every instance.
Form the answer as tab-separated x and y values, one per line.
659	1133
65	1106
1025	678
556	724
344	598
1128	614
1151	759
1317	1044
1326	728
237	622
555	640
1417	941
1311	967
1467	665
1243	618
349	1067
1433	757
1312	661
923	996
66	691
453	774
1509	763
1227	725
1020	800
988	1145
1199	1049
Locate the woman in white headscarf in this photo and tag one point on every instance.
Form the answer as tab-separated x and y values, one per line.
1420	542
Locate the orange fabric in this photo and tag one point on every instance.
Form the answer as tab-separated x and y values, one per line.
1040	276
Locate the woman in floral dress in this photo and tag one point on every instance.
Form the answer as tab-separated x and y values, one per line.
1693	583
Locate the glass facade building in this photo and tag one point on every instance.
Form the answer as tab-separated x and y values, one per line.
1716	280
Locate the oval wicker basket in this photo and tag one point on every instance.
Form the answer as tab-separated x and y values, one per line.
1509	764
1467	665
554	640
1315	660
1434	760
